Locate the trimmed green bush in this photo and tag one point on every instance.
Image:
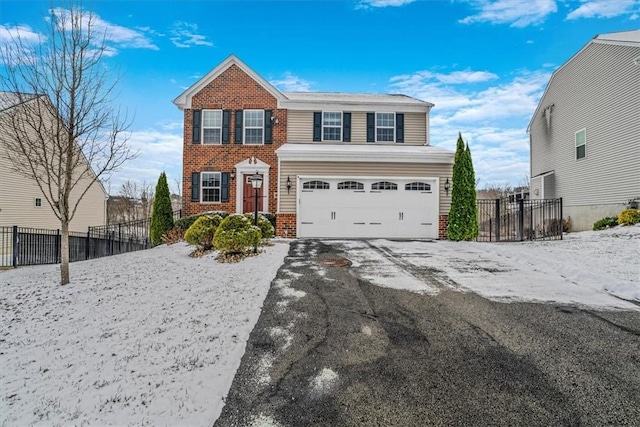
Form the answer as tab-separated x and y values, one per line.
202	231
606	222
188	221
629	217
162	214
235	234
266	227
463	216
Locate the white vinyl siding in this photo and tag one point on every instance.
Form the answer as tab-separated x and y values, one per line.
598	89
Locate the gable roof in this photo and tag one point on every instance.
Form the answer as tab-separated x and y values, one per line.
12	99
307	100
621	38
184	100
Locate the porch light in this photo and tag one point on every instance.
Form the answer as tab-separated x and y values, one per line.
447	186
288	185
256	183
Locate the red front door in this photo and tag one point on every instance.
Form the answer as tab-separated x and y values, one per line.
249	196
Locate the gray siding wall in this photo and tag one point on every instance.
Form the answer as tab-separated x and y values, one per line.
294	169
300	127
598	90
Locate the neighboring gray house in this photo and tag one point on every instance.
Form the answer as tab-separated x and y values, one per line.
585	133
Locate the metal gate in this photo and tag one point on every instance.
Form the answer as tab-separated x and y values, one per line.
500	220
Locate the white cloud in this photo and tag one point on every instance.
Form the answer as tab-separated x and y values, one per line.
366	4
23	32
158	151
518	13
491	111
184	35
122	37
603	9
292	83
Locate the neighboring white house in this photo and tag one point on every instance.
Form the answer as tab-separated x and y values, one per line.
585	133
22	203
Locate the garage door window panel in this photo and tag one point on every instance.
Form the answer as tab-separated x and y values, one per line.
384	185
211	186
350	185
418	186
315	185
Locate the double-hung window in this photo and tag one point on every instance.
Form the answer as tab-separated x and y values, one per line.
253	127
331	126
385	127
581	144
211	187
211	126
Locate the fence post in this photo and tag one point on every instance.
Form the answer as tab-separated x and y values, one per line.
561	220
15	246
57	251
119	238
86	249
521	219
498	220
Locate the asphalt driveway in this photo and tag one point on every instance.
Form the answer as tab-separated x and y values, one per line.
332	349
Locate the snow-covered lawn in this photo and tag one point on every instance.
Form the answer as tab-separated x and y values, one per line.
155	337
147	338
594	268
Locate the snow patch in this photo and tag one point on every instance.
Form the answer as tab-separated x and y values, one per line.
264	421
324	381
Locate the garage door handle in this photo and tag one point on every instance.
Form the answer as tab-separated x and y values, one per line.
401	216
333	215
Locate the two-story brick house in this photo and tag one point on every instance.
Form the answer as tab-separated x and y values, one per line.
334	165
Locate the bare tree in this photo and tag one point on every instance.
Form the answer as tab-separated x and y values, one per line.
64	132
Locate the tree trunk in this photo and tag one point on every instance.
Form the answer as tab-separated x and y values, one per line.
64	254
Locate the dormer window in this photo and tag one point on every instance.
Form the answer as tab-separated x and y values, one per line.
331	126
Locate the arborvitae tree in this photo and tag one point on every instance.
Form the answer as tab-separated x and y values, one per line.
463	217
162	215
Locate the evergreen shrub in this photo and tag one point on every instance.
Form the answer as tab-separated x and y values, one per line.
235	234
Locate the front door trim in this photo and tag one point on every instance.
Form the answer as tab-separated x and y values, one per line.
249	167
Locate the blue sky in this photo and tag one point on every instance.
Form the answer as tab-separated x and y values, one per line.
484	64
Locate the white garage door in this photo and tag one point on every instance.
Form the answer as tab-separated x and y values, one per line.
378	207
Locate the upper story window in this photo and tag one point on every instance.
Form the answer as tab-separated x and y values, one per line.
254	127
385	127
581	144
384	185
211	185
417	186
331	126
315	185
211	126
37	202
350	185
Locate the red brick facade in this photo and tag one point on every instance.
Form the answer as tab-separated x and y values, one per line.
286	225
232	90
443	222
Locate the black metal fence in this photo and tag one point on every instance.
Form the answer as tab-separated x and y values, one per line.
33	246
502	221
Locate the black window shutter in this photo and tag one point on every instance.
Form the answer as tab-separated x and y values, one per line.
371	127
225	126
268	133
399	127
195	187
238	129
317	126
196	127
346	127
224	188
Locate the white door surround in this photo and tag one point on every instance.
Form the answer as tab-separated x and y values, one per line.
249	167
